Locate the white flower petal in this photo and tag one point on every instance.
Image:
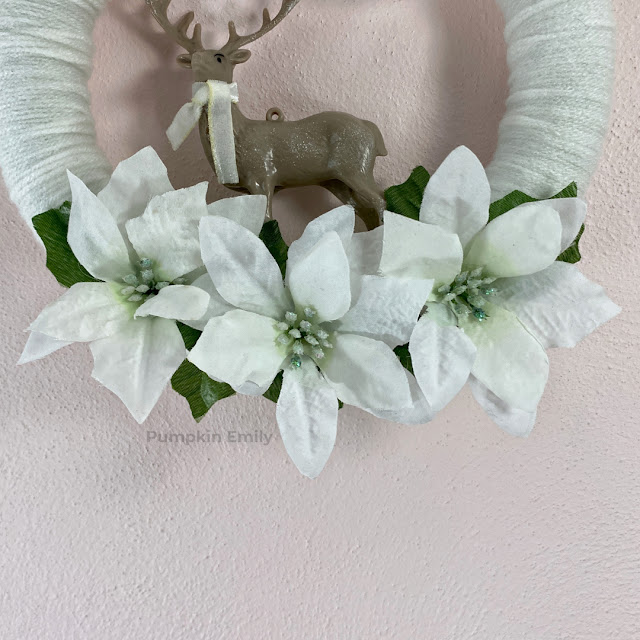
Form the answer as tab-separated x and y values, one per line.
572	212
218	306
387	309
248	211
558	305
137	363
307	414
239	347
524	240
412	249
458	196
251	389
442	314
341	221
322	279
242	269
510	361
364	253
134	183
88	311
178	302
419	412
168	234
40	346
94	236
510	419
366	373
442	358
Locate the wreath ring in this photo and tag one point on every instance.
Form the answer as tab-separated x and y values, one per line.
390	321
560	54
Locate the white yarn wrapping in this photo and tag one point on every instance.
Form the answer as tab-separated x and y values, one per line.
560	54
46	126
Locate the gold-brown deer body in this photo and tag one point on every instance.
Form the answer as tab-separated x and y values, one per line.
334	150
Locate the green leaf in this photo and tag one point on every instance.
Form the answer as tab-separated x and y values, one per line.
405	357
406	199
571	191
572	255
516	198
52	227
189	335
273	392
200	391
511	201
278	248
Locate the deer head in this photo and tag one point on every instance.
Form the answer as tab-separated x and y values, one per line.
212	64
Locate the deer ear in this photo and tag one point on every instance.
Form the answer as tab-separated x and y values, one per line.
185	61
240	56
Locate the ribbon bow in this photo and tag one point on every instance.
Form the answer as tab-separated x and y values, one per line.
218	96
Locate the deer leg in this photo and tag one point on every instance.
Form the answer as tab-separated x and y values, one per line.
370	216
269	194
370	204
341	191
263	189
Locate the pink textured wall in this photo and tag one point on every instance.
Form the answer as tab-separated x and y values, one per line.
452	530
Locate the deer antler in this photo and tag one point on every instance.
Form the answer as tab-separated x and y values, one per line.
177	31
236	41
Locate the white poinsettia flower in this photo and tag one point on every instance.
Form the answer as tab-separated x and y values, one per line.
329	342
506	297
140	238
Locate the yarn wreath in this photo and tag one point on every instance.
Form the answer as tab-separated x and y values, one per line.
466	282
561	56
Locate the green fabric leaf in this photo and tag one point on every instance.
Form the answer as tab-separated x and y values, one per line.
571	191
189	335
510	201
405	357
516	198
52	227
278	248
572	255
200	391
273	392
406	199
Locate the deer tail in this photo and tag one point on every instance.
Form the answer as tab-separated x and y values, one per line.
381	148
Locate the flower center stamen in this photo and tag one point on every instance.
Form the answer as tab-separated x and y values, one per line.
468	294
299	334
144	284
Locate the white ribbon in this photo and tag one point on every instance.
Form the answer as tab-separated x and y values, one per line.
218	96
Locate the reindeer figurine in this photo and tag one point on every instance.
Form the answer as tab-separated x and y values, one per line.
334	150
